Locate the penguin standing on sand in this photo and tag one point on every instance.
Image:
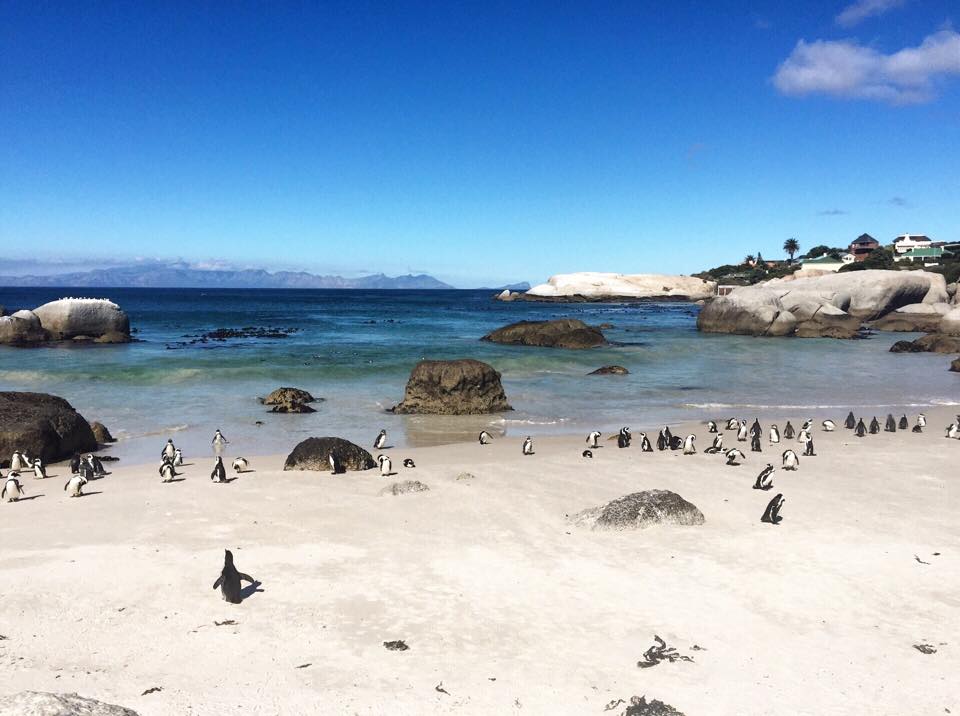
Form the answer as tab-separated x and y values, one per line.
734	456
219	473
17	462
484	438
788	431
380	440
177	457
771	515
12	489
688	445
74	486
763	481
851	422
790	460
717	445
891	426
829	426
645	445
229	579
676	442
335	466
593	439
774	435
755	444
75	463
169	451
94	462
167	471
807	425
528	446
904	423
39	471
662	441
241	465
742	432
874	426
755	429
861	429
711	426
953	430
667	434
803	436
623	438
922	420
808	447
386	465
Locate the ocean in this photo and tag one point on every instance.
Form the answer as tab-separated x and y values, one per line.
355	349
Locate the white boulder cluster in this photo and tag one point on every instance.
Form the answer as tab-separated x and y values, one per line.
594	286
97	320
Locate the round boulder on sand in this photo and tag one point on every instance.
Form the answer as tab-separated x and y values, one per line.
639	510
39	703
314	454
561	333
453	387
42	425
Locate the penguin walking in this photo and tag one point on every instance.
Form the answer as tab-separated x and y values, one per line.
178	458
528	446
241	464
763	481
808	448
774	435
771	515
39	471
688	445
218	439
734	457
167	471
623	438
169	451
386	465
380	440
829	426
586	453
74	486
851	422
874	426
409	463
711	426
904	423
12	489
645	445
716	446
229	580
593	440
861	429
891	425
790	460
742	432
755	444
484	438
788	431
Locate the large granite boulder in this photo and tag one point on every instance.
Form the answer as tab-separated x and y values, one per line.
314	454
39	703
101	433
639	510
42	425
950	323
747	311
289	400
93	318
917	317
930	343
594	286
560	333
23	328
453	387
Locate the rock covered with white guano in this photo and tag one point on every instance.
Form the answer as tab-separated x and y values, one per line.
93	318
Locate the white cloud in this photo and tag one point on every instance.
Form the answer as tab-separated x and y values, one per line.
860	10
847	69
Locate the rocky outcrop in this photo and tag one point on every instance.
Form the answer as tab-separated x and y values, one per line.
560	333
641	509
39	703
101	433
289	400
404	487
23	328
955	365
610	370
930	343
917	317
823	306
42	425
314	454
950	323
594	286
453	387
93	318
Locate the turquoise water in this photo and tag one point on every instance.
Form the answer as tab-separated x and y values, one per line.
356	349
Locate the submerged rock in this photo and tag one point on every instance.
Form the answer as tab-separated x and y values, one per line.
930	343
314	454
453	387
403	487
641	509
39	703
560	333
101	433
610	370
42	425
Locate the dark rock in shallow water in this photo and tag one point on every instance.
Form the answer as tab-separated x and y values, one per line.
641	509
289	400
610	370
404	487
955	366
101	433
930	343
453	387
314	454
561	333
906	347
38	703
42	425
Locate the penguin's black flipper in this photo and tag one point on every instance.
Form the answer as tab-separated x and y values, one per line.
218	582
246	577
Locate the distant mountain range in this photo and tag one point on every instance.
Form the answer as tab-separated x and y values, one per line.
181	275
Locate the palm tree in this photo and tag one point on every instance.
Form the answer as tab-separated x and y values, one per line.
748	259
791	246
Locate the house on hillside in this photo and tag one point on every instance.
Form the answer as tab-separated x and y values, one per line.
908	242
926	255
861	246
821	264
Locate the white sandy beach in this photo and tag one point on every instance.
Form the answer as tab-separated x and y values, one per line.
499	598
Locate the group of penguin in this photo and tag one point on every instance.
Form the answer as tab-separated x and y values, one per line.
171	457
82	469
384	461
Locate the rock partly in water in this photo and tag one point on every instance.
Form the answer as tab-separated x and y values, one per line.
595	286
42	425
289	400
22	329
560	333
915	318
453	387
930	343
641	509
39	703
101	433
950	323
955	365
403	487
314	454
610	370
68	318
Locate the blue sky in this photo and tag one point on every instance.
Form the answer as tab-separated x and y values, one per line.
480	142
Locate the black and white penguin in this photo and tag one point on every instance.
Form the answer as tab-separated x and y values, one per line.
409	463
733	424
755	444
241	464
12	489
676	442
667	434
39	471
734	456
829	426
86	470
167	472
922	420
624	437
386	465
904	423
953	430
587	453
688	445
851	422
94	462
808	448
891	425
218	438
178	458
763	481
484	438
662	443
788	431
74	486
18	462
774	435
807	425
803	436
861	429
335	466
874	426
169	451
645	445
771	515
755	429
528	446
593	439
790	460
219	473
716	446
380	440
229	580
742	432
75	463
711	426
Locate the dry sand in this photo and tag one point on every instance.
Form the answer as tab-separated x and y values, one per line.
499	598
